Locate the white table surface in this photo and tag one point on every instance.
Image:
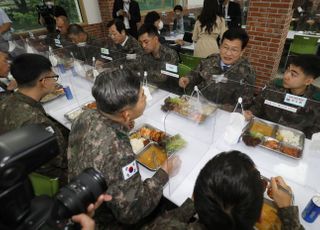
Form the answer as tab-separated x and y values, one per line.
187	46
204	141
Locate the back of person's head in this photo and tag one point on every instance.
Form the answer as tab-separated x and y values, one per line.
151	17
116	90
27	69
178	7
75	29
236	33
118	24
150	29
309	64
228	193
208	15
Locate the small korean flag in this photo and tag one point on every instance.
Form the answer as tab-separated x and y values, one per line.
129	170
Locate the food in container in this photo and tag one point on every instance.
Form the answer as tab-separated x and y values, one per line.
152	157
55	94
189	107
269	218
288	136
73	114
271	143
261	129
291	151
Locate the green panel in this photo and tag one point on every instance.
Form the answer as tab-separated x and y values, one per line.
150	5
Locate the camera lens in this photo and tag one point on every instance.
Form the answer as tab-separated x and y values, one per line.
83	190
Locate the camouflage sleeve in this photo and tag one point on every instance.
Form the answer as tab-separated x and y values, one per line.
133	199
250	80
175	219
290	218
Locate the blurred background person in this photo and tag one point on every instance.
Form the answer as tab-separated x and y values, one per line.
129	12
182	23
6	85
209	26
153	18
47	12
5	26
231	12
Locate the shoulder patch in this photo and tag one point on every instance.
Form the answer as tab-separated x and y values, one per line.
129	170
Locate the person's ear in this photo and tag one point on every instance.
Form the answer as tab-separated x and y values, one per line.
309	81
125	115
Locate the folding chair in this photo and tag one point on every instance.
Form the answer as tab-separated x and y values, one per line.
303	44
43	185
189	61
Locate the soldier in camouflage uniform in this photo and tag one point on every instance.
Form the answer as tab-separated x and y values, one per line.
35	80
297	80
99	138
234	202
4	71
238	73
155	58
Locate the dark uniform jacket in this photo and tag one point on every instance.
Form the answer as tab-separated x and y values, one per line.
18	110
179	219
240	81
134	12
96	141
306	119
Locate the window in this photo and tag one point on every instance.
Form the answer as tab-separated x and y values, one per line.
24	16
155	5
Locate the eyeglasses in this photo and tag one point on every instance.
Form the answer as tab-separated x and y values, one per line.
54	77
234	51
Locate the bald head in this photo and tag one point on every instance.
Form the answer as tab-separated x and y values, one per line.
62	24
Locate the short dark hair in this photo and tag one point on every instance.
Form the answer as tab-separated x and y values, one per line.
236	33
75	29
27	68
150	29
115	90
118	23
178	7
228	193
309	63
151	17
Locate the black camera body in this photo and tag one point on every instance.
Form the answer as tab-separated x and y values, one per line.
21	152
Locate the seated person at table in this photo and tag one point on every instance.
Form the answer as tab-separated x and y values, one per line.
182	23
297	80
238	73
60	39
35	80
87	47
228	194
6	86
100	139
153	18
123	42
156	56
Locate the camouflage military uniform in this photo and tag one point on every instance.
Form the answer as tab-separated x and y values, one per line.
180	219
240	80
306	119
3	91
18	110
153	66
131	46
96	141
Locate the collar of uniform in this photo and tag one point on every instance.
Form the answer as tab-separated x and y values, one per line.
115	125
28	100
125	41
162	51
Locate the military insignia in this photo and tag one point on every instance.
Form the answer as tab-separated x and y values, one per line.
129	170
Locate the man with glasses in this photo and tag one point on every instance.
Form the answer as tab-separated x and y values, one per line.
6	85
224	77
35	80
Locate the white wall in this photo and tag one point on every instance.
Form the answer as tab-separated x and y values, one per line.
195	3
92	11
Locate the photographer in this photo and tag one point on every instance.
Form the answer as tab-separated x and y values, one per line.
47	12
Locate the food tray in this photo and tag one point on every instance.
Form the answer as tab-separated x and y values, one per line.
73	114
153	146
188	107
55	94
277	138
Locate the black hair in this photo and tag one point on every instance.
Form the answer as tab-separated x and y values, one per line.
115	90
178	7
75	29
27	68
236	33
309	63
150	29
228	193
208	15
118	23
151	17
